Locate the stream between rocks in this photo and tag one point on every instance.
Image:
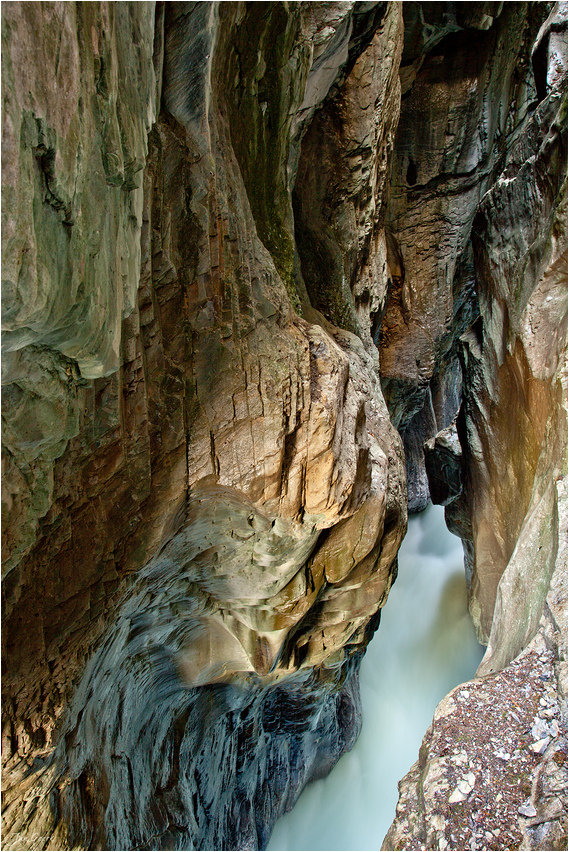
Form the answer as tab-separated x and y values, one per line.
425	646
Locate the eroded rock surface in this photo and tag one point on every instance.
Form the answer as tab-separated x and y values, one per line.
492	769
79	99
467	85
526	285
244	244
503	477
224	511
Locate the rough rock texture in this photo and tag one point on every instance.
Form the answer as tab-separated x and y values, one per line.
244	244
492	769
492	772
466	87
223	512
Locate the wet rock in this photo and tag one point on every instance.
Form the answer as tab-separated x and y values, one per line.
219	308
443	464
423	423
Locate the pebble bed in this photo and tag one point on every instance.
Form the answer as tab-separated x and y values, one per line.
493	767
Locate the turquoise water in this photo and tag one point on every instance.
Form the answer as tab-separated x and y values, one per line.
425	646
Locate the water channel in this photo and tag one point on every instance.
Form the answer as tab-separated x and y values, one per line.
425	646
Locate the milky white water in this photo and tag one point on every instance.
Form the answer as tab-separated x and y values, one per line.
424	647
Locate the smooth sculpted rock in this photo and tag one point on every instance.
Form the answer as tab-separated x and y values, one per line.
193	700
79	97
521	364
466	79
183	624
238	265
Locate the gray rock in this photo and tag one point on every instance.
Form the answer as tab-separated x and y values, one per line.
235	263
444	466
527	810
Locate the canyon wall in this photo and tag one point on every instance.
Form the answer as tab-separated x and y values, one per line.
492	769
255	255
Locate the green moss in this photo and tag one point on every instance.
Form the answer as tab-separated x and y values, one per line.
322	270
261	89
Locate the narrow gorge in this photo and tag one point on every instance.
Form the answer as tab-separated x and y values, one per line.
274	275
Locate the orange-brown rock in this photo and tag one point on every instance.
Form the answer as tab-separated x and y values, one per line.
492	773
178	499
236	261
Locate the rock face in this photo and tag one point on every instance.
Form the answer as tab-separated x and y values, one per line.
462	101
74	144
244	245
501	472
219	517
522	288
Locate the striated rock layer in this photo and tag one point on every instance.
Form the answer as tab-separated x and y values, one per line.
492	770
222	490
245	246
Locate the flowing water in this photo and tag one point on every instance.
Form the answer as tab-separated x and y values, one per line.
425	646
